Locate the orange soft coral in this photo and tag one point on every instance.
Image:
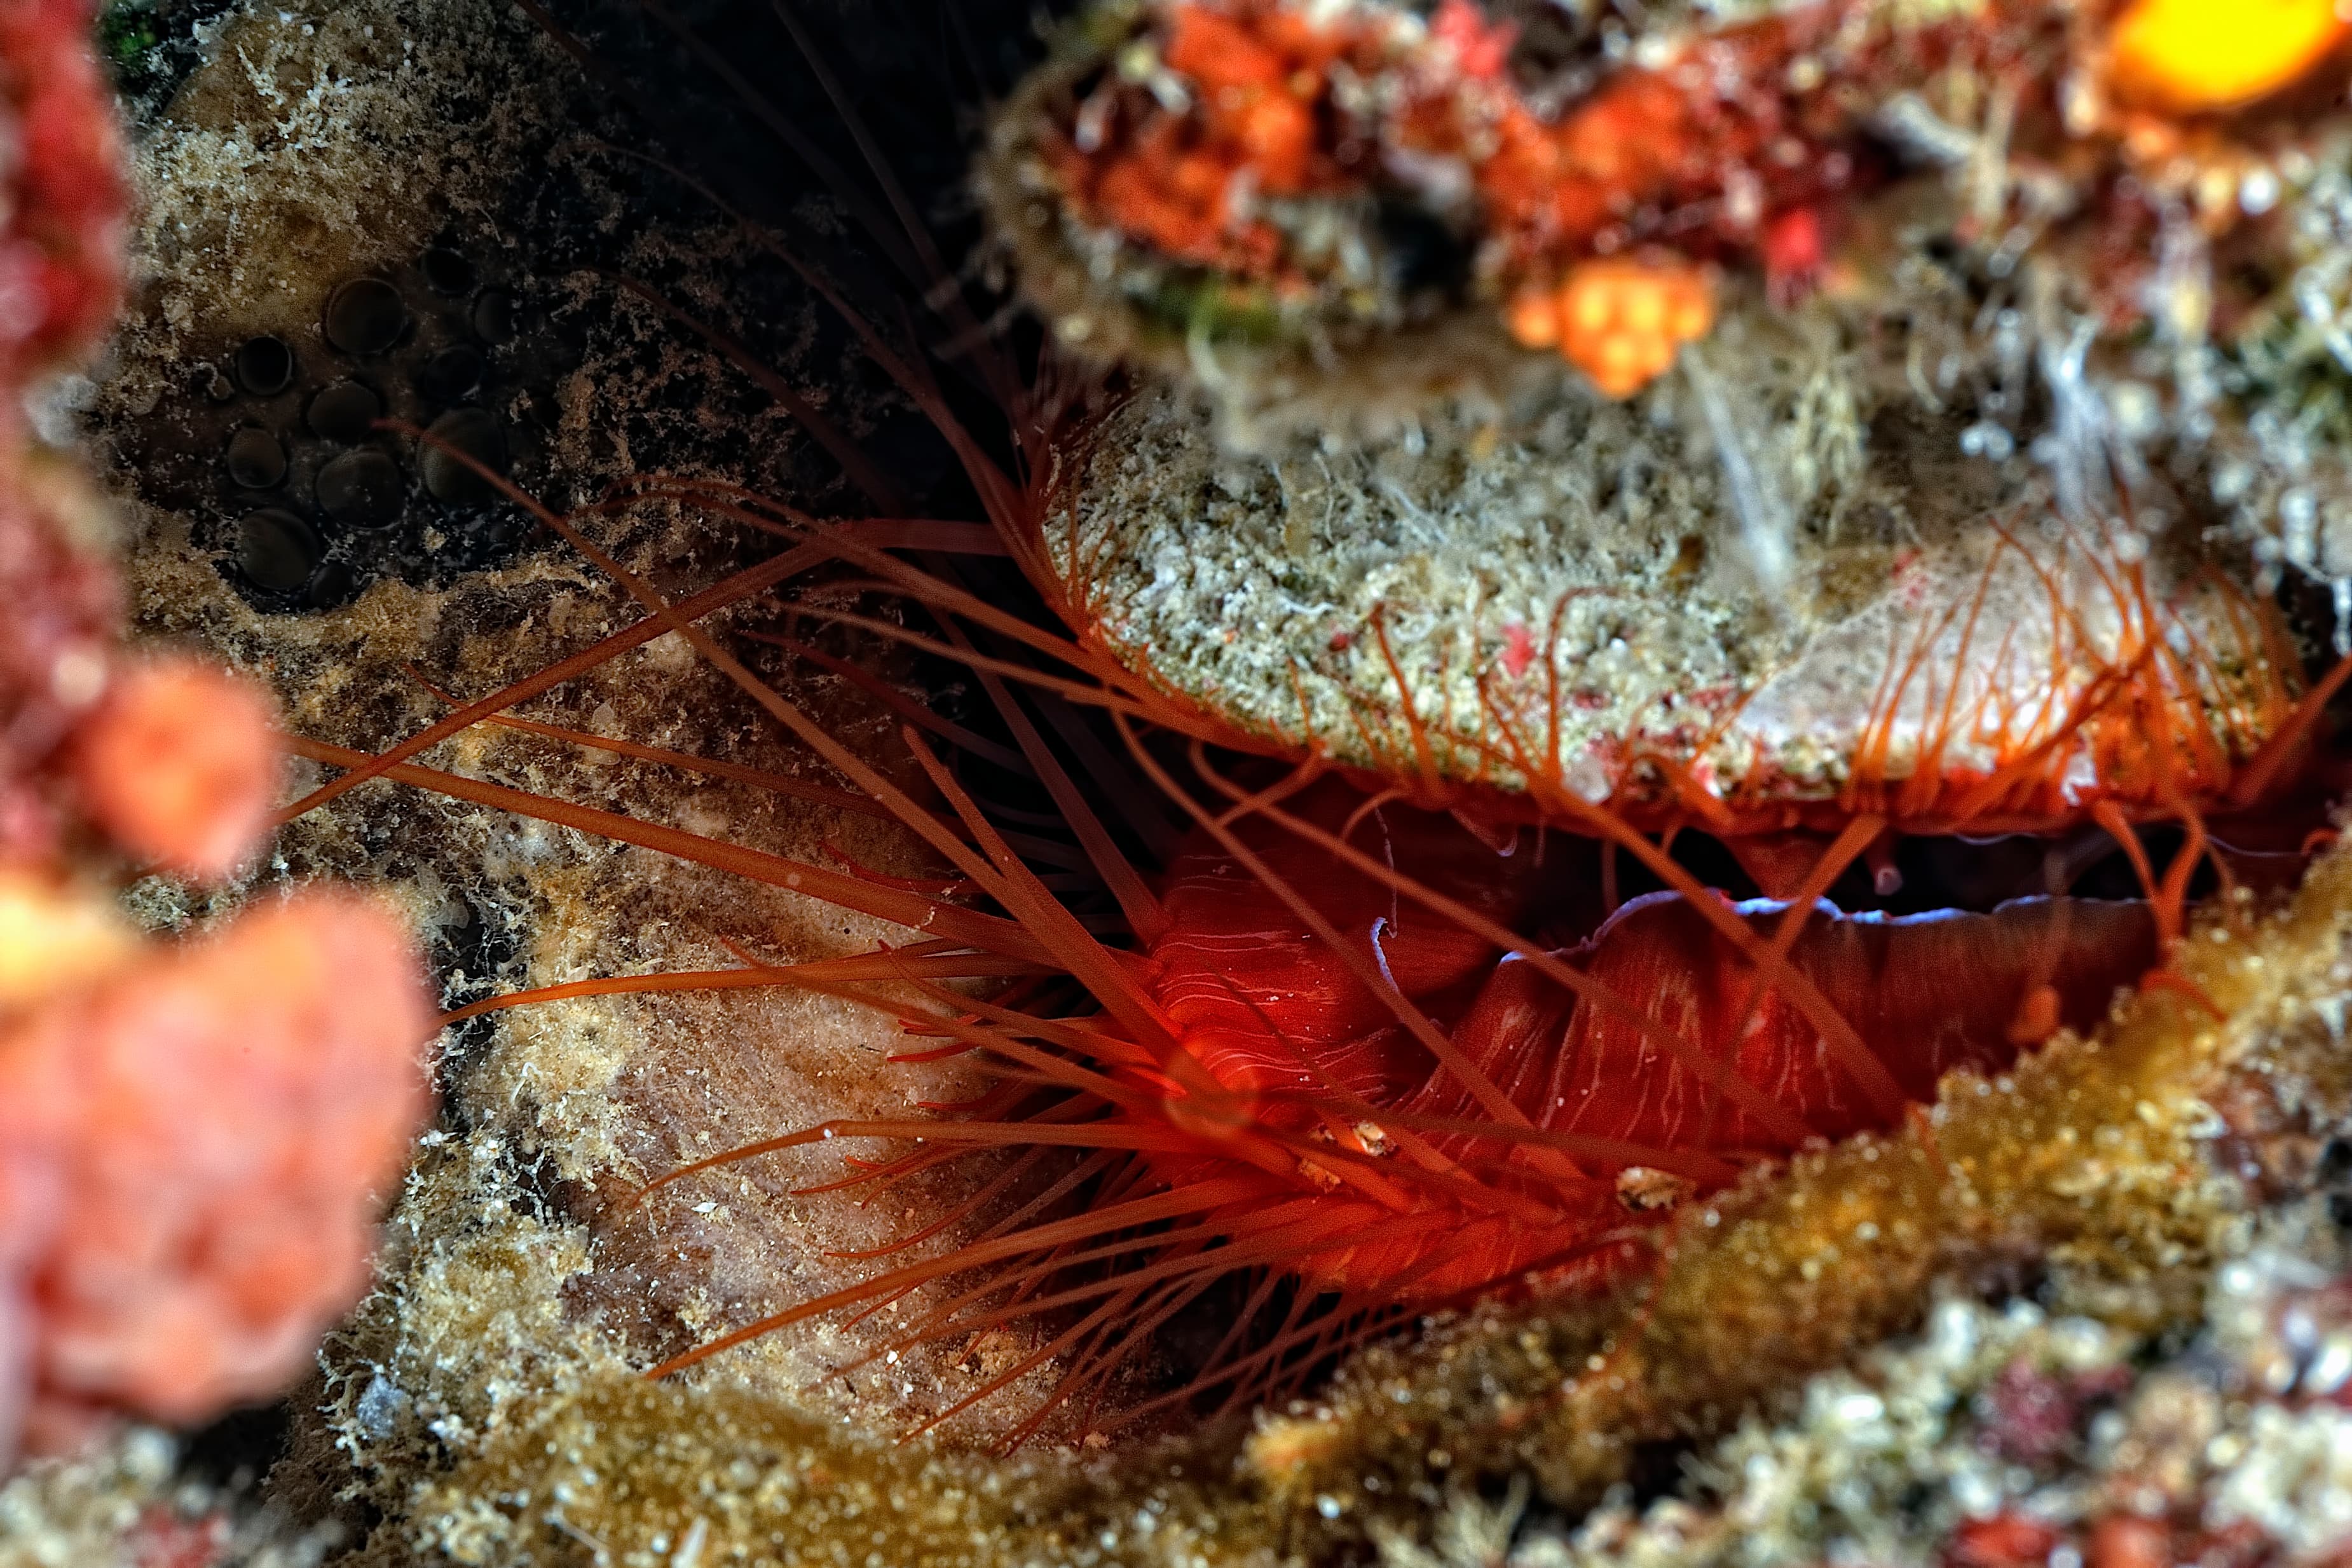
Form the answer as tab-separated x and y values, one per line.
1621	320
1240	137
1260	123
178	766
54	640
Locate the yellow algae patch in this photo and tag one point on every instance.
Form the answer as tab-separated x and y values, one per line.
2195	55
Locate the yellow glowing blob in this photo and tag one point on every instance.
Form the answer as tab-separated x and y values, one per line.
2192	55
52	937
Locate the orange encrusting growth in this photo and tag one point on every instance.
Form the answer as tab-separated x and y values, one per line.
1259	120
1263	81
192	1152
180	764
1619	320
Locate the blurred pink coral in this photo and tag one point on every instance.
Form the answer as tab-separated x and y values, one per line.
190	1153
60	632
179	765
193	1135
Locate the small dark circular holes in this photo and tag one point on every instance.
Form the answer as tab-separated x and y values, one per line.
361	489
450	374
365	315
331	587
344	412
207	383
475	432
264	366
494	315
277	550
255	461
446	272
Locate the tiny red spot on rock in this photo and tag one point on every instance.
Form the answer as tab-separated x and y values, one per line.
2004	1540
1518	649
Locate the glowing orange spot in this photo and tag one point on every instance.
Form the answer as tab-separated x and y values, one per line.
1533	318
1620	320
2194	55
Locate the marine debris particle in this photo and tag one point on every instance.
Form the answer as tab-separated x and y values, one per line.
2093	1161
